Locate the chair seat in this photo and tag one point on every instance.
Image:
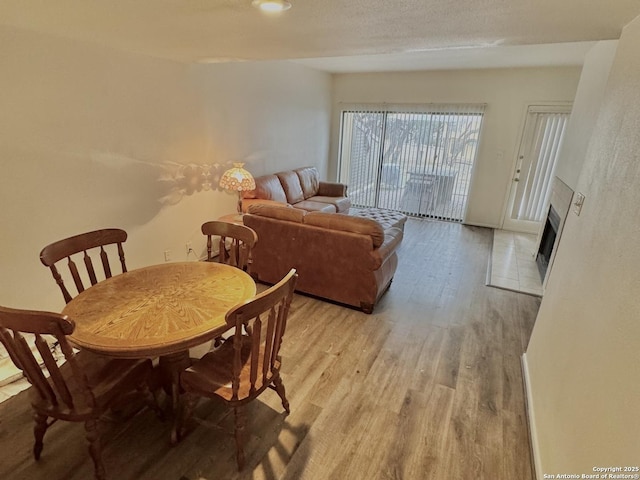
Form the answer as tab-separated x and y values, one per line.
212	375
106	377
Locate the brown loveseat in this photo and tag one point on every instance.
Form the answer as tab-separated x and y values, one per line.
301	188
344	258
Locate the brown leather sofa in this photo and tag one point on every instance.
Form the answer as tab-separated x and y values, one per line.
300	188
344	258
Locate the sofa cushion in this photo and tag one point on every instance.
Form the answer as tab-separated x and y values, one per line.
311	206
291	185
278	212
268	187
342	204
347	223
309	180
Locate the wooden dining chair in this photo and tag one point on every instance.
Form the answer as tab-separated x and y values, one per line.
81	389
242	240
245	365
237	253
85	243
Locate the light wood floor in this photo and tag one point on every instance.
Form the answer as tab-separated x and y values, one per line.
428	387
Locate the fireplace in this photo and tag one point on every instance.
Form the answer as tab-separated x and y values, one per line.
547	241
559	203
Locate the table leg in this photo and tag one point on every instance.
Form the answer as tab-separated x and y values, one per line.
170	367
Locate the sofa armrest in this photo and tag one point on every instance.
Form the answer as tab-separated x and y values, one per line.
392	238
331	189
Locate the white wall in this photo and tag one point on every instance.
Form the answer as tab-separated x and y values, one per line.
506	92
583	361
272	115
584	114
92	138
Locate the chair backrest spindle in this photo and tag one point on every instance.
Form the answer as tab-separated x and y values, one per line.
75	274
51	365
88	264
31	368
105	264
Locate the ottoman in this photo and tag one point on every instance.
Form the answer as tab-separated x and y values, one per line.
386	218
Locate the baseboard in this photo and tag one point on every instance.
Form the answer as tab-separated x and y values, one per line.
533	434
487	281
480	224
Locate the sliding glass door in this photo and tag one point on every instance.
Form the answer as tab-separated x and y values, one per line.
417	161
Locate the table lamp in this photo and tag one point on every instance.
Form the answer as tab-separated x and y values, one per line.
237	179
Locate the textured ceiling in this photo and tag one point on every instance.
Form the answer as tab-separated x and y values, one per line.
223	30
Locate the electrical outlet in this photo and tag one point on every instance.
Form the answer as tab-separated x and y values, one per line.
167	255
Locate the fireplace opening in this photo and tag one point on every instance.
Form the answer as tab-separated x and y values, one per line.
547	241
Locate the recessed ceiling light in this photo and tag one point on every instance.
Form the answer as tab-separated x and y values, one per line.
271	5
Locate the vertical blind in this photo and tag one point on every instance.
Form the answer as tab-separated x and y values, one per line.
541	142
413	159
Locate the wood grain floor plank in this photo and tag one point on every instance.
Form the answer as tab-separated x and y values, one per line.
428	460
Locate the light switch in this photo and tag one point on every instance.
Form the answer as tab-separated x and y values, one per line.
578	202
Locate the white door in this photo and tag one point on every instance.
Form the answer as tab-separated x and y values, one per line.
537	156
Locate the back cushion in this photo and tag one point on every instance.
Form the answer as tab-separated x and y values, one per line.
291	185
347	223
309	180
268	187
280	213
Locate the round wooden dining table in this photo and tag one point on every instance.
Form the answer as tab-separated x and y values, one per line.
158	311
